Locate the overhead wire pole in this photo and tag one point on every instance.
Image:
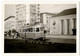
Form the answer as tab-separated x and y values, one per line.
34	31
25	34
25	31
44	33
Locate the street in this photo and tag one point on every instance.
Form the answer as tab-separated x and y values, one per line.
21	46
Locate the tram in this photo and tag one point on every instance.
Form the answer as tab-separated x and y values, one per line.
32	31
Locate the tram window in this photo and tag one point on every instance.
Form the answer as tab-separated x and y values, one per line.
31	29
41	28
37	29
23	30
26	30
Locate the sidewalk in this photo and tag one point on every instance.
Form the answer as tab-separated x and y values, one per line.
71	39
61	36
8	37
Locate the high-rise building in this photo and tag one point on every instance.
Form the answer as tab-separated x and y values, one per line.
20	15
38	13
27	14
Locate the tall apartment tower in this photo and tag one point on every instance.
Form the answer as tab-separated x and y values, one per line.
38	13
34	13
27	14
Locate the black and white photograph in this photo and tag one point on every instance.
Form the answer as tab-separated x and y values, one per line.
40	28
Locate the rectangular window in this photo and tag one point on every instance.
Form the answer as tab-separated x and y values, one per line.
38	11
34	10
38	4
38	8
16	11
38	14
38	18
16	18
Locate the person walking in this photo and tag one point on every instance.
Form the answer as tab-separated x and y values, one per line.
15	35
12	35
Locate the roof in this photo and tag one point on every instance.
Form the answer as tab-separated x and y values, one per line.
9	17
48	13
66	12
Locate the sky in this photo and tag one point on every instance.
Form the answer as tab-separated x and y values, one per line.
9	10
56	8
52	8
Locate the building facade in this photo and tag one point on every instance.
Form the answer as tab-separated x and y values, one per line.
27	14
63	23
45	19
10	23
20	14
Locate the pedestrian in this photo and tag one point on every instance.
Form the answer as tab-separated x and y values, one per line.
12	35
15	35
9	33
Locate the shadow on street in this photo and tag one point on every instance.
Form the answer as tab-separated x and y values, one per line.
20	46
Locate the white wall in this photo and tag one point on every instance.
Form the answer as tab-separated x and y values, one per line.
57	26
44	19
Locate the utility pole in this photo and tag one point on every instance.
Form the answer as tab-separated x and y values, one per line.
25	33
44	35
